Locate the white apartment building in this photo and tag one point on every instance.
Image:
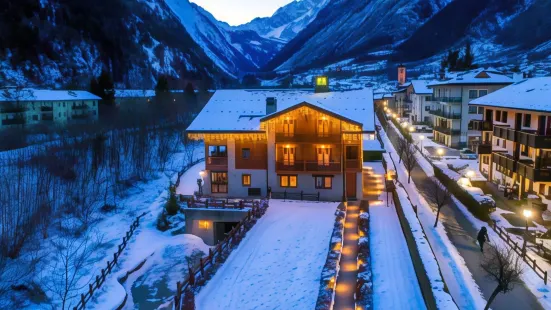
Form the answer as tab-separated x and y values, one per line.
453	118
516	136
20	107
421	102
287	140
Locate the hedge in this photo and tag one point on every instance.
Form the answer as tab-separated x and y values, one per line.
465	198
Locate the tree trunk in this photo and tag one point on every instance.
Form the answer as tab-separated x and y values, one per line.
492	297
409	177
437	215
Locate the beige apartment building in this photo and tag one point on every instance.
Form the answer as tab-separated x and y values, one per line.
287	140
515	150
21	107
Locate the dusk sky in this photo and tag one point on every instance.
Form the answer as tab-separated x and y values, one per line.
237	12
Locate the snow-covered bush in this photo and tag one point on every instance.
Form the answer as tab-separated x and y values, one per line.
364	292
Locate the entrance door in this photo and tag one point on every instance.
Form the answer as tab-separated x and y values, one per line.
289	156
351	185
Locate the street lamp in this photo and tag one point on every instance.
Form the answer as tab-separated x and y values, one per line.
421	137
527	214
440	153
200	182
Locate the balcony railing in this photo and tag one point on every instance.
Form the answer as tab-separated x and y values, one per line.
13	109
80	107
523	137
448	115
217	162
483	125
308	137
13	121
46	109
353	164
504	160
446	130
448	99
481	147
536	175
309	166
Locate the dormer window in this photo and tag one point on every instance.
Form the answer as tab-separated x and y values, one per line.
321	81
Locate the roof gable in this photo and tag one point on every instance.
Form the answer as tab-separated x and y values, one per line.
312	106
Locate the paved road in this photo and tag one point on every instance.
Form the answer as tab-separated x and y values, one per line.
463	234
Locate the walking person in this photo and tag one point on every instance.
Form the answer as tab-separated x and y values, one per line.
482	237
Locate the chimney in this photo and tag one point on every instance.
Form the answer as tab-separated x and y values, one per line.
401	74
321	84
271	105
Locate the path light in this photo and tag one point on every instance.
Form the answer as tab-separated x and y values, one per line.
421	137
470	174
527	214
440	152
411	129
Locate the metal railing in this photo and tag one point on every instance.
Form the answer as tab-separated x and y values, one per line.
448	99
448	115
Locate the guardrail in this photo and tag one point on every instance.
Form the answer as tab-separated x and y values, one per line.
532	263
233	238
100	279
295	196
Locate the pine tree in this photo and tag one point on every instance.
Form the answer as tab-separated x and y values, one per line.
468	57
189	300
162	85
172	206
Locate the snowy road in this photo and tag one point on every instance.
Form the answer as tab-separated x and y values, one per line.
395	284
278	264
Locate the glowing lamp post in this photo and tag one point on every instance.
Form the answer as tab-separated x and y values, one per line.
470	174
421	137
527	214
440	153
411	129
200	182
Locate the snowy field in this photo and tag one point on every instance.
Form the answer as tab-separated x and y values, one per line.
278	264
395	284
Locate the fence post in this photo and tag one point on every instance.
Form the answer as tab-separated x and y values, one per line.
284	195
545	277
115	258
91	289
210	255
83	300
207	204
202	267
191	277
318	196
301	195
97	281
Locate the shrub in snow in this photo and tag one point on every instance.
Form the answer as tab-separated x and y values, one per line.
172	207
364	292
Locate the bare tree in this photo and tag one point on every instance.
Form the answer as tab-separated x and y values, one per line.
410	162
438	197
70	262
504	267
401	148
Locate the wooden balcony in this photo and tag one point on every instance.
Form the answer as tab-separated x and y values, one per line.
523	137
504	132
446	130
504	160
216	163
308	166
483	125
307	138
353	164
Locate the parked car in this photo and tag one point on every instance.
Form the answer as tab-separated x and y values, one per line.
467	154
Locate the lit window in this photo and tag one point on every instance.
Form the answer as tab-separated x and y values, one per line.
246	178
204	224
288	180
321	81
323	182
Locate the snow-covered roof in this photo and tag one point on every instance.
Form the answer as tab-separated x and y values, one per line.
529	94
478	76
242	110
29	94
134	93
420	86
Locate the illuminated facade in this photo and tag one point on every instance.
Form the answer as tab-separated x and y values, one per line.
300	146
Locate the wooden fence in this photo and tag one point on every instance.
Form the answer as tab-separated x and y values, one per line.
503	234
208	262
100	279
296	196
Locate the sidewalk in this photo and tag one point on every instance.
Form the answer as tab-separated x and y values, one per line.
462	234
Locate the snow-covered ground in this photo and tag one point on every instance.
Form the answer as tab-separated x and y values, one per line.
395	284
459	280
278	264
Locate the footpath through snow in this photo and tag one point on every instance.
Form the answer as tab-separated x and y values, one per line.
395	284
278	264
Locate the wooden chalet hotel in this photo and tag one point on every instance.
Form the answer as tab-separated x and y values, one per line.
287	140
516	136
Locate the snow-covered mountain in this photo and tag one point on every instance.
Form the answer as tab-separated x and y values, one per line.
234	50
287	21
420	31
65	43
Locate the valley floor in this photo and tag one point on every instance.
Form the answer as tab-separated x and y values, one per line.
278	264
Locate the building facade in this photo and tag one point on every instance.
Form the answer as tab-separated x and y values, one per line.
293	141
21	107
453	123
421	102
515	150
